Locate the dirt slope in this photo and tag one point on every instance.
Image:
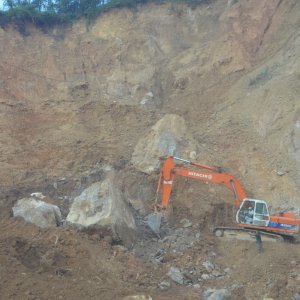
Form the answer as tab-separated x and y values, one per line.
75	100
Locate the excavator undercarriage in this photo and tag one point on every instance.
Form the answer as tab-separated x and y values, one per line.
246	234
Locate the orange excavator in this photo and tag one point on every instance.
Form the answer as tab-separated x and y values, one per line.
252	215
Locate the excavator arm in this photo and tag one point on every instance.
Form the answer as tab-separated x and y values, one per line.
215	175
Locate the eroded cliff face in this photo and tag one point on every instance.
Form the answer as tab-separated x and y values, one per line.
77	97
89	107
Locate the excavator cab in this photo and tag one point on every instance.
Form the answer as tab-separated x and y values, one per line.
253	212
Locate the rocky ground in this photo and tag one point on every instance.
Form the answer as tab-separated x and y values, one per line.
186	264
88	113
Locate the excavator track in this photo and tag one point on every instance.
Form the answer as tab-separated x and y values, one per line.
246	234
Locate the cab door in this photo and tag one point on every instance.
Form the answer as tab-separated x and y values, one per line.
261	215
243	215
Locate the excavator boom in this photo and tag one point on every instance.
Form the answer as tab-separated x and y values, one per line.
169	171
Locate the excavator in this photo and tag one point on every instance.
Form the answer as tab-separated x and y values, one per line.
252	215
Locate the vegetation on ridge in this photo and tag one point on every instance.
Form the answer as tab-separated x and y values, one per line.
46	13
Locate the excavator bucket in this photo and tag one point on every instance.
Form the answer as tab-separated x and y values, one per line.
154	222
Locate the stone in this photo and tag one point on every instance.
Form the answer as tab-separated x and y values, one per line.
38	212
209	266
164	285
296	296
176	275
214	294
167	137
138	205
149	96
38	195
216	273
102	205
193	155
154	221
186	223
205	276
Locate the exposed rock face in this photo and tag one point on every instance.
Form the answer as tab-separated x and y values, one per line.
231	71
40	213
167	137
102	205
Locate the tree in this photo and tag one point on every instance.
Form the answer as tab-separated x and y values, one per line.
9	3
38	4
45	13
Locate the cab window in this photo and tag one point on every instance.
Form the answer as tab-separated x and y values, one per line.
261	209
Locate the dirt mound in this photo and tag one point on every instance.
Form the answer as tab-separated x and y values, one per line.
62	263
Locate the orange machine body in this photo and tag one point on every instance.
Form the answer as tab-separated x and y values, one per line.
285	223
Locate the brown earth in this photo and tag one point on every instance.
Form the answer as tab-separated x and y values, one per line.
75	100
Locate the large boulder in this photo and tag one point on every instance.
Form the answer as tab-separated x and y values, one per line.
102	206
38	212
167	137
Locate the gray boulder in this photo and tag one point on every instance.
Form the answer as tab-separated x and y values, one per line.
38	212
102	205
